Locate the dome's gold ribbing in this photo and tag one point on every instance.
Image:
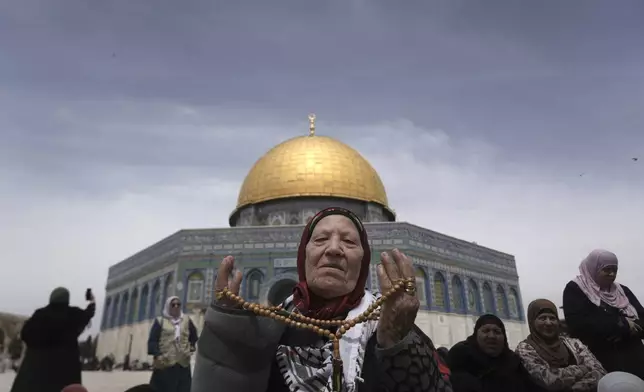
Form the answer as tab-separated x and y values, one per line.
312	165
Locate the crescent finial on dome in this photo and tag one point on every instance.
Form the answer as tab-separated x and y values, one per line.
311	124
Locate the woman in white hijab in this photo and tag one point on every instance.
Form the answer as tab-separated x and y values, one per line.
620	382
172	341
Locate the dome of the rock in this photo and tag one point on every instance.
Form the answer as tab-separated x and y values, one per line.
312	166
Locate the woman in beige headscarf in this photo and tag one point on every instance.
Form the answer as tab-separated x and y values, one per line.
172	341
555	362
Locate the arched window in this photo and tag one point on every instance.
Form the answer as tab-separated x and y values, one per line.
513	303
501	302
253	284
125	301
134	306
114	314
440	291
458	294
167	287
155	307
488	298
143	302
277	218
473	297
195	287
106	313
421	286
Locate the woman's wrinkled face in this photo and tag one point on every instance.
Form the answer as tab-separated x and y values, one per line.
547	325
175	308
606	276
491	339
333	257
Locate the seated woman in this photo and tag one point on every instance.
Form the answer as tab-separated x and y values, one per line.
485	363
555	362
325	336
605	315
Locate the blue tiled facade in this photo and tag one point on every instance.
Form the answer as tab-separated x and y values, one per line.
458	276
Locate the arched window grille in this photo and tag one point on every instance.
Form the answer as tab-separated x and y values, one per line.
488	298
195	292
134	306
144	303
440	291
421	286
458	294
155	305
253	284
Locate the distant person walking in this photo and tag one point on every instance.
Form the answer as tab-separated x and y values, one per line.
172	341
52	360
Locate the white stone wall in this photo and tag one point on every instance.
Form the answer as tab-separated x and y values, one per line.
444	329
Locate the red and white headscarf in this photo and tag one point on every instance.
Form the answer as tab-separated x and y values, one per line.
307	302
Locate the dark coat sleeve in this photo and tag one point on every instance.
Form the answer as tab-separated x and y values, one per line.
236	351
411	365
50	327
638	307
589	322
83	317
193	335
153	339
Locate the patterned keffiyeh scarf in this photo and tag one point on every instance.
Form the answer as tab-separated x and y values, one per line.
310	368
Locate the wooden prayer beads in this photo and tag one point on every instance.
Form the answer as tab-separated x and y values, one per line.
320	327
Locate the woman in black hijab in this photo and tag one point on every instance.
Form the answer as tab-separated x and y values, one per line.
485	363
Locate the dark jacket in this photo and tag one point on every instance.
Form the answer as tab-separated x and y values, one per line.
52	360
605	330
474	371
237	353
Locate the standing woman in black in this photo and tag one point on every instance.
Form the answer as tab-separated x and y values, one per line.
604	315
51	335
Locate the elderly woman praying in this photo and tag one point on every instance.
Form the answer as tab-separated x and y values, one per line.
325	337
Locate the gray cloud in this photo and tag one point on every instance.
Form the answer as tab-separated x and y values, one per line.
518	73
123	122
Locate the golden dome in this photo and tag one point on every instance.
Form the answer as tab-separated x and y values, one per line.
312	166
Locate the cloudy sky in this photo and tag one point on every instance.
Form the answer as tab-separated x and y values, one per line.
508	123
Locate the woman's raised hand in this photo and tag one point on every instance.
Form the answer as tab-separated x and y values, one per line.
227	280
398	313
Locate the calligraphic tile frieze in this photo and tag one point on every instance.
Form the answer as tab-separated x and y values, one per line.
459	256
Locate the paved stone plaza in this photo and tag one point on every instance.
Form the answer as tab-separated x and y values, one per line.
95	381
